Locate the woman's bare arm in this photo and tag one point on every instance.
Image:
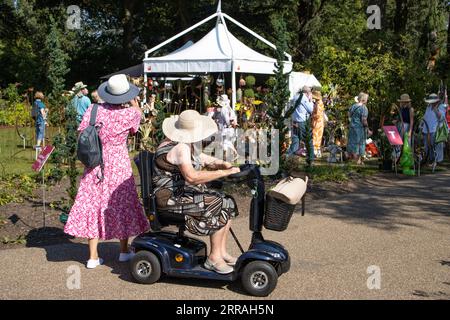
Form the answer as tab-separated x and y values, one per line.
214	163
195	177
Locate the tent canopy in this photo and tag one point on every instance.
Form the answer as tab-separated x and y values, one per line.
218	51
215	52
297	80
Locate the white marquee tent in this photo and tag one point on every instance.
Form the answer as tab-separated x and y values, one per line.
218	51
297	80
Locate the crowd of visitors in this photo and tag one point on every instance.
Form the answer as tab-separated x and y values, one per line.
310	118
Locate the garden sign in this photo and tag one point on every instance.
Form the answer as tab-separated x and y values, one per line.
42	158
393	136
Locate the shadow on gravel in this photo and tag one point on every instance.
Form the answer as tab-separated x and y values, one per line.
235	286
59	247
389	203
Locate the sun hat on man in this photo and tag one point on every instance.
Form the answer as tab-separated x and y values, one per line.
432	98
118	90
79	86
189	127
306	89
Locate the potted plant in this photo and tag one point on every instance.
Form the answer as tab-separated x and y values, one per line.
386	150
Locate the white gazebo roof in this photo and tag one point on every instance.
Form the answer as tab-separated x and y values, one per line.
215	52
218	51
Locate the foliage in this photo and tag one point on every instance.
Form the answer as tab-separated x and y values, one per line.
15	188
56	72
279	97
12	109
160	117
19	240
250	81
249	93
383	145
65	152
71	147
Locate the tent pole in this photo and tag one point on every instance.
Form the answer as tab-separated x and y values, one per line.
233	86
145	87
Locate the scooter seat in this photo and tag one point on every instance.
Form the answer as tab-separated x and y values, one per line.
168	218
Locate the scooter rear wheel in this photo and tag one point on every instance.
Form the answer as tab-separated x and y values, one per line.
145	267
259	278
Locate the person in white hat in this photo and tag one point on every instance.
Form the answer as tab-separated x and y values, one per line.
434	118
227	121
180	184
110	209
81	100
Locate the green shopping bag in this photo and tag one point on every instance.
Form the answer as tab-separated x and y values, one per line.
407	159
441	133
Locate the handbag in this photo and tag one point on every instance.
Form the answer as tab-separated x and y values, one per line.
290	190
441	133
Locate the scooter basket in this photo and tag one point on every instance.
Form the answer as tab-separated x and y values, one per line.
278	214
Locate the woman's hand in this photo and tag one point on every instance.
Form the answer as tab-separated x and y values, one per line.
233	170
227	165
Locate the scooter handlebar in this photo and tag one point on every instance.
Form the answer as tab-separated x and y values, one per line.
246	169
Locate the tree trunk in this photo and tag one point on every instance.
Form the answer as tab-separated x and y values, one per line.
128	28
305	13
401	16
447	65
183	14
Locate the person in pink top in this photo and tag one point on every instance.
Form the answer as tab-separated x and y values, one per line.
110	209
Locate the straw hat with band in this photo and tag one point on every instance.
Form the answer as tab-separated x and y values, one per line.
117	90
404	98
432	98
189	127
317	95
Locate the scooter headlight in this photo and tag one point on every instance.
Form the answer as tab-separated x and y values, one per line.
276	255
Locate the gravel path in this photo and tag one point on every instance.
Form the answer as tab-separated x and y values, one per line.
401	226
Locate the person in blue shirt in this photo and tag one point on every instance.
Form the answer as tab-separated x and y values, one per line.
40	119
301	119
80	100
434	118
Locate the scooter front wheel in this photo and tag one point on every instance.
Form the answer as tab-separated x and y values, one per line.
145	267
259	278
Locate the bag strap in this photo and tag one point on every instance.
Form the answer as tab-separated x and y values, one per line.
93	115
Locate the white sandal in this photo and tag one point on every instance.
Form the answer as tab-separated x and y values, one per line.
214	267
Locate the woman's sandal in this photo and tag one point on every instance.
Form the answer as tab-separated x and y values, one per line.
231	261
216	268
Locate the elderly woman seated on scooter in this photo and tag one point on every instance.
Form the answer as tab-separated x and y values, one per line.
179	184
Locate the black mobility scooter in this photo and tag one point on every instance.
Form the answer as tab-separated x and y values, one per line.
176	255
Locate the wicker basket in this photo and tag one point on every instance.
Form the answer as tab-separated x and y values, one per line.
278	214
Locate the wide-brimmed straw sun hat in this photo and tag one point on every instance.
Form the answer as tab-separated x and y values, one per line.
404	98
432	98
117	90
317	95
189	127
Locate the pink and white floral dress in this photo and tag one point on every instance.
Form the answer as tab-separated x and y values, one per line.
109	209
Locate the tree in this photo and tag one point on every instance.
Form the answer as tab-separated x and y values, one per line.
277	109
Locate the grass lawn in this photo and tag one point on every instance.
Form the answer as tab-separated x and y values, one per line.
14	159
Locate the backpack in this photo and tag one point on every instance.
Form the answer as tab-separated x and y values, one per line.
89	150
34	110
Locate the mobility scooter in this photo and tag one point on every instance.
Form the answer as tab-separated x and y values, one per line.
176	255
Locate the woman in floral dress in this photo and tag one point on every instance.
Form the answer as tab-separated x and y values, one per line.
110	208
